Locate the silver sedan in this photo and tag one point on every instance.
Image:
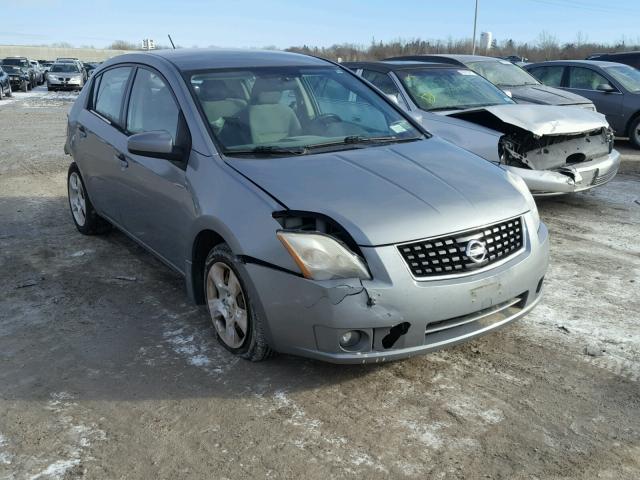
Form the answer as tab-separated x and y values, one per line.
307	211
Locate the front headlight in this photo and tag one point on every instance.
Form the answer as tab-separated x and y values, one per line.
521	186
321	257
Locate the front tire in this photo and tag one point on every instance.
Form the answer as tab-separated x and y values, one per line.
10	92
634	132
84	216
236	322
25	86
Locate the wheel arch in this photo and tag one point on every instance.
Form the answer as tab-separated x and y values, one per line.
203	242
632	118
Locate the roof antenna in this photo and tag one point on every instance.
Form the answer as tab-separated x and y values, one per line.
172	44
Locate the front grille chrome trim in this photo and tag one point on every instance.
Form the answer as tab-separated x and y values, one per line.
472	234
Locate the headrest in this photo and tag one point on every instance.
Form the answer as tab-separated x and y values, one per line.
213	90
267	91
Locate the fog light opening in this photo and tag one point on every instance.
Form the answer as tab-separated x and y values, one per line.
539	287
394	334
350	339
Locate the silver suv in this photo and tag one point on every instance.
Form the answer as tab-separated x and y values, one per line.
307	211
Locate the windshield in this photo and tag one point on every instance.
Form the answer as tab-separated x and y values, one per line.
10	68
14	61
65	68
629	77
450	89
502	73
295	111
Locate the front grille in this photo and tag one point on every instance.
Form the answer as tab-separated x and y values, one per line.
605	177
447	255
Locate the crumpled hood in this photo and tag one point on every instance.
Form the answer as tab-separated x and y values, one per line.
391	194
545	95
542	119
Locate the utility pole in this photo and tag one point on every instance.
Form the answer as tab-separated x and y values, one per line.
475	23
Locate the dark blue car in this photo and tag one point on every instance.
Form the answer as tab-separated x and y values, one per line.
614	88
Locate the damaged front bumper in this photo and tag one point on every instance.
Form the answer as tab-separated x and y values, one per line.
397	316
570	178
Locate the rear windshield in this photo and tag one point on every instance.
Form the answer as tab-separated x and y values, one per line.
628	76
65	68
450	89
503	73
296	111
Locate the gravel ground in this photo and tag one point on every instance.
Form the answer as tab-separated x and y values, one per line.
106	370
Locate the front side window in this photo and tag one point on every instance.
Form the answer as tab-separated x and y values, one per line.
585	78
450	89
151	105
628	76
502	73
385	84
110	93
551	76
296	110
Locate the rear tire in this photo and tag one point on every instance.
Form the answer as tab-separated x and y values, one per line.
238	327
634	132
84	216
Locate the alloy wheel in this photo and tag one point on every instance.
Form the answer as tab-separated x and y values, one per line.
227	305
77	199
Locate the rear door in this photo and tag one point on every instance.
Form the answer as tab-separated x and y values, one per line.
100	139
585	81
158	205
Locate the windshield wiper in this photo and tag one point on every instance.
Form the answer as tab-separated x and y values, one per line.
359	139
268	150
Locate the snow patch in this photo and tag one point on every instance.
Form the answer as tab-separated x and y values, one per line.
426	434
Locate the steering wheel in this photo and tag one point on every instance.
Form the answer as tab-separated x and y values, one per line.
328	118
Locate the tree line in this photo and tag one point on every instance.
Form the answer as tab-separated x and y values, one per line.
546	47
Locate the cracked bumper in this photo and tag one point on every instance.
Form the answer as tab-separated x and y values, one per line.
572	178
307	318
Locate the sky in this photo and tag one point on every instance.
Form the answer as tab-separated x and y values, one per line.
284	23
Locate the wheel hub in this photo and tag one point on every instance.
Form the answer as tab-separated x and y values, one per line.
227	306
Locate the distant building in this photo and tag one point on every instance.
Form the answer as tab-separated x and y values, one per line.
486	40
148	44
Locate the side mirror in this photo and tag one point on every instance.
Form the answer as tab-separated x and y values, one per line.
393	97
156	144
605	87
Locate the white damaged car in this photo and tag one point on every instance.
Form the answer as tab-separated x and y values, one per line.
555	149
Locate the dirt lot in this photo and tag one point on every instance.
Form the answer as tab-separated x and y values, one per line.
106	370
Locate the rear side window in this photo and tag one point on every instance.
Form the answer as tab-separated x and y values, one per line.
585	78
110	92
151	105
551	76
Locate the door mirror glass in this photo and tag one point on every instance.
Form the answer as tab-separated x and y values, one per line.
605	87
157	144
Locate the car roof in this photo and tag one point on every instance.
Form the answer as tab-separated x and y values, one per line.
458	59
615	54
595	63
391	65
209	58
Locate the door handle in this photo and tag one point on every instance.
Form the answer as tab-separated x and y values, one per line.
123	160
82	131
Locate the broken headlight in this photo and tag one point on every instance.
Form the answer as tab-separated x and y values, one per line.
521	186
321	257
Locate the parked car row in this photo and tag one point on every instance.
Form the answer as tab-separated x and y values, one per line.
23	74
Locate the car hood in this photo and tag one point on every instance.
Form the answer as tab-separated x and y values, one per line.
545	95
540	120
391	194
